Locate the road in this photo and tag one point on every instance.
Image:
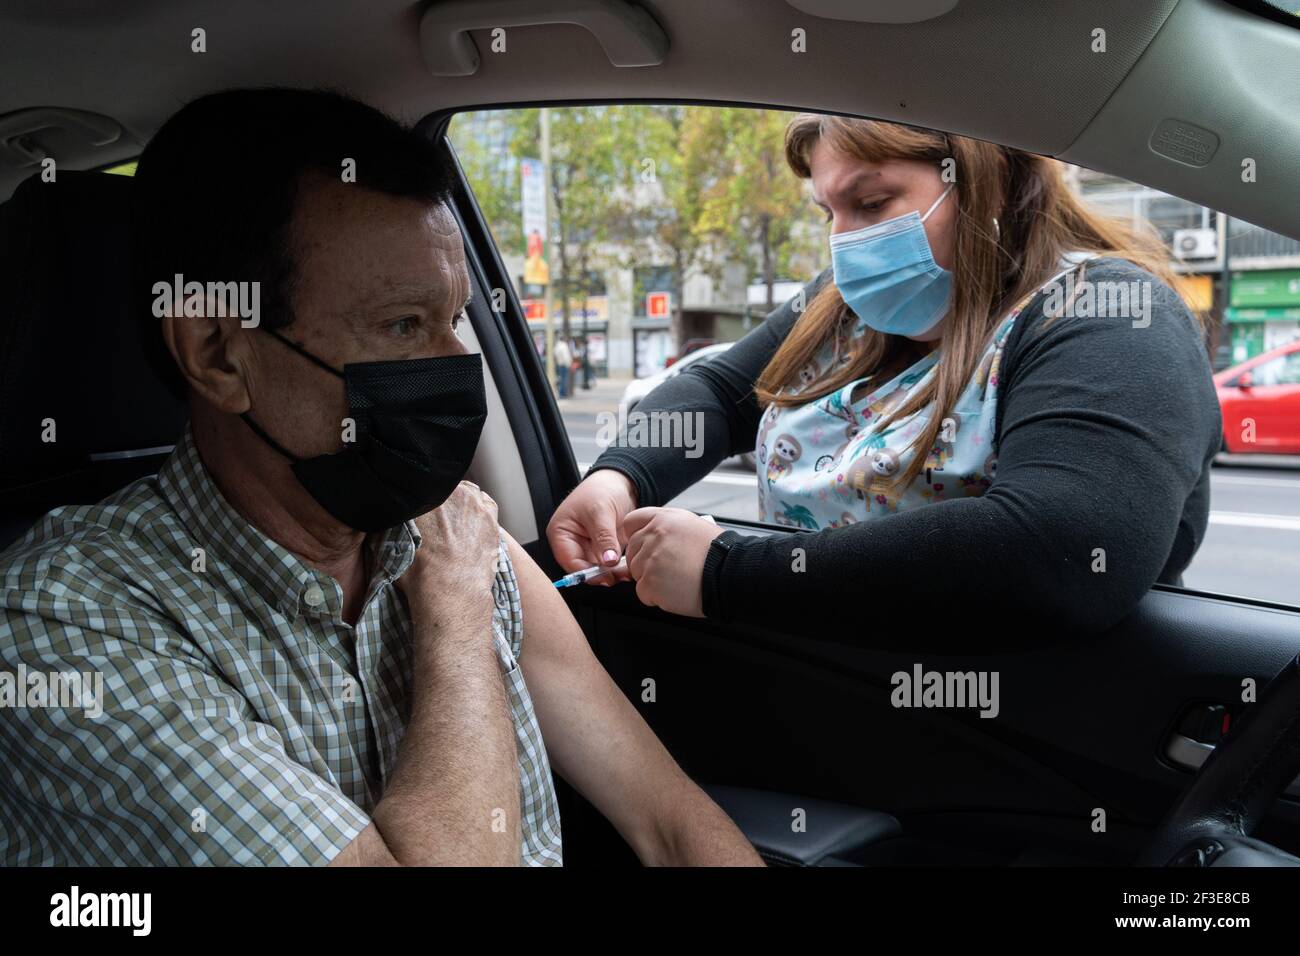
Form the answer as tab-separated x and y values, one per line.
1251	549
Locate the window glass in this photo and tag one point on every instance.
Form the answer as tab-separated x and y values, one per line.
673	231
1286	6
1267	373
1283	370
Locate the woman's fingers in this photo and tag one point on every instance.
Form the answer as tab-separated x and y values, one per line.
586	529
666	552
603	529
634	521
637	567
570	545
569	533
637	552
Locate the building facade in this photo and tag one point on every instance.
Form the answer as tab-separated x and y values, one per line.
1244	279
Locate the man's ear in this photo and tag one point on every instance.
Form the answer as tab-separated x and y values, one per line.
212	352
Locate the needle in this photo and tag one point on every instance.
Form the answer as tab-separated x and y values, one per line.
586	574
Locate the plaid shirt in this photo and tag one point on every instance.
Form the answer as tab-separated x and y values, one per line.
241	720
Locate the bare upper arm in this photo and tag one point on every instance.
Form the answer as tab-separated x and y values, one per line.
594	736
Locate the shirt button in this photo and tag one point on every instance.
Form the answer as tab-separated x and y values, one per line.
314	596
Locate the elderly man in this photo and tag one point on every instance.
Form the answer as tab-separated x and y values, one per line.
317	645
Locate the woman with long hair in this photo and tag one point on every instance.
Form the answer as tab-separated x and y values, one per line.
993	400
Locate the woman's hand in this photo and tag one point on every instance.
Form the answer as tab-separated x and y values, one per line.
587	528
666	548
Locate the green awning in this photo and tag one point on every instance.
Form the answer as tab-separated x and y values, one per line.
1277	313
1266	289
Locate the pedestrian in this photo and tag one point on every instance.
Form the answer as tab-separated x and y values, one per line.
563	361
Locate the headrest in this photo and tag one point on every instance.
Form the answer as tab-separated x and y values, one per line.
77	361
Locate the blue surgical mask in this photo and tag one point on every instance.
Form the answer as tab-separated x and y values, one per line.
886	274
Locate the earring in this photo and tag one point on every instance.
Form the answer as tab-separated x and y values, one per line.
997	230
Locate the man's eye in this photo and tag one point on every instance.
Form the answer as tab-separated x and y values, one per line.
405	325
871	206
456	320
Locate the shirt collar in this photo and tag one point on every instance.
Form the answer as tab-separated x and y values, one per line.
280	577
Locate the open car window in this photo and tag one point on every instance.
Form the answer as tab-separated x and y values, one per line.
674	230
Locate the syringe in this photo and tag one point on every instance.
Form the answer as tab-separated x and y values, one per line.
586	574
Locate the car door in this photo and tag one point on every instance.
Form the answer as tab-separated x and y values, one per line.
1277	398
1240	409
1269	399
1091	744
1289	404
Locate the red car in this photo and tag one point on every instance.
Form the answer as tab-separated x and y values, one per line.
1260	400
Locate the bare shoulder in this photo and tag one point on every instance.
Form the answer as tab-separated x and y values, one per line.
549	626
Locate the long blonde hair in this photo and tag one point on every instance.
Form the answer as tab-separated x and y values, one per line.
1039	220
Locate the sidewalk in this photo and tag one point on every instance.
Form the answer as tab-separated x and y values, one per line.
602	396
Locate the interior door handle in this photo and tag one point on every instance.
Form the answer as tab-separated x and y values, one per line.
1185	752
626	32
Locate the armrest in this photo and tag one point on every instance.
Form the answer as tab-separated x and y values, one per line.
832	829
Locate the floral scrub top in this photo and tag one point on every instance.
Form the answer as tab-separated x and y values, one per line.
827	463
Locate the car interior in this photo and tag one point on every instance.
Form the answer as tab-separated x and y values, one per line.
1175	94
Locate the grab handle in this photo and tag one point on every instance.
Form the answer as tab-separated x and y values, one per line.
626	32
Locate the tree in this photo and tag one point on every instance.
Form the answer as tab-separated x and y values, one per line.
752	206
486	147
589	158
668	191
703	187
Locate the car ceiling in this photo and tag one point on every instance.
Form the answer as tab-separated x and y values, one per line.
1019	72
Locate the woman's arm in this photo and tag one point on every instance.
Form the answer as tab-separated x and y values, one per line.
721	390
1106	431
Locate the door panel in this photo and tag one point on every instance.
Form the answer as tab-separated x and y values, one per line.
1268	405
1082	725
1272	402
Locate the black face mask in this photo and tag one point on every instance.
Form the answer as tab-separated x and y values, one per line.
418	423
